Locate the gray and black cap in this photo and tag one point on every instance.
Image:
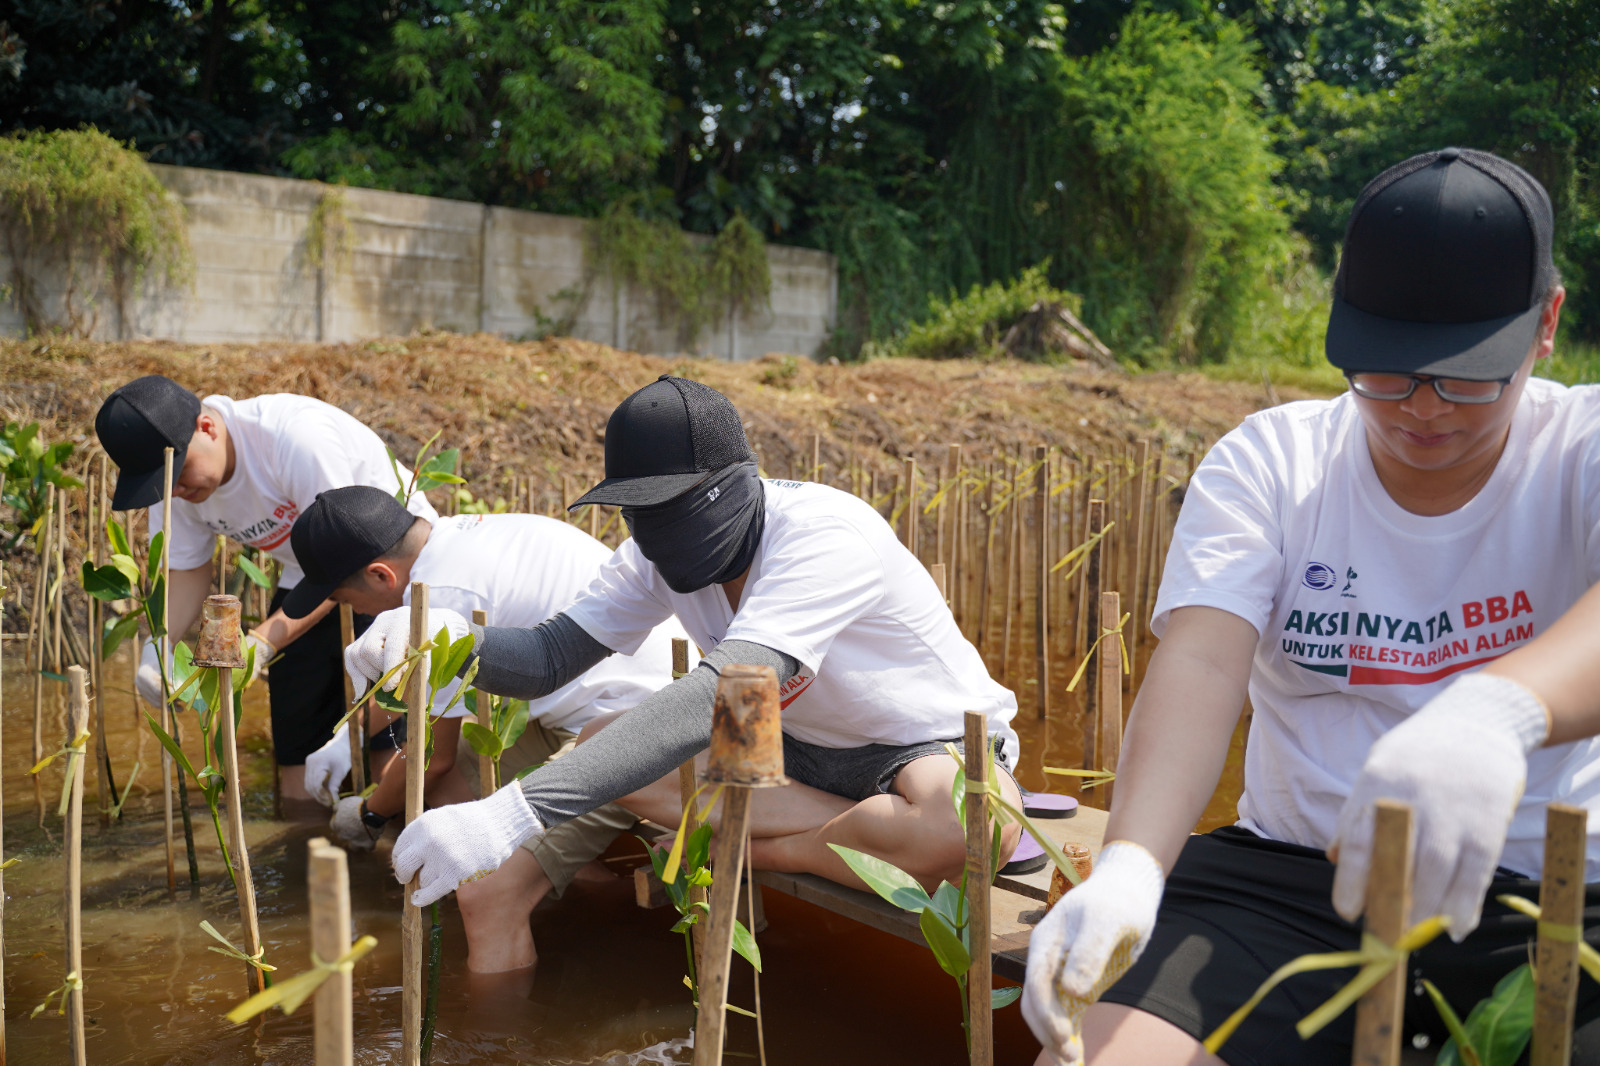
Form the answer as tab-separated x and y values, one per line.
1445	266
663	440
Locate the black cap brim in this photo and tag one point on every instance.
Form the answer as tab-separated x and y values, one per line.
641	491
142	488
1476	351
305	598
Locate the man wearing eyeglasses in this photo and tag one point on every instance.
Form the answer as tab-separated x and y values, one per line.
1357	567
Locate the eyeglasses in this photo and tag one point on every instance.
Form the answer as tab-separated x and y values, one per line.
1399	386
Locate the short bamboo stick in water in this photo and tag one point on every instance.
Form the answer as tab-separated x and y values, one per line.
1041	580
411	928
358	721
1091	596
980	975
77	725
328	884
1110	687
487	781
1561	907
1378	1012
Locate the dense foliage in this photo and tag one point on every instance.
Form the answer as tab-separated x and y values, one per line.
1184	165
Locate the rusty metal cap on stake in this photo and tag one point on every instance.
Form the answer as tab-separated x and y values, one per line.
219	643
747	729
1082	863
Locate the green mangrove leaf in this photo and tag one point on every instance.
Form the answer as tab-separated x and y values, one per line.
886	879
152	563
483	741
744	942
106	583
1004	997
171	745
250	570
954	959
116	631
1500	1026
949	903
1467	1054
697	851
118	538
515	722
525	771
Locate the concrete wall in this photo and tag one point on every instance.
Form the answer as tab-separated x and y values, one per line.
417	262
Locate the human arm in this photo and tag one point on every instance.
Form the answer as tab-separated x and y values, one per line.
1172	757
389	797
185	593
279	630
464	841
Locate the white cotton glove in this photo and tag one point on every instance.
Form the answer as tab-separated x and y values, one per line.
463	842
348	828
1460	763
327	766
148	678
1087	942
266	651
383	646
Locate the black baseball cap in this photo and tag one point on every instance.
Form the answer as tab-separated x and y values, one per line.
342	531
136	425
664	439
1445	267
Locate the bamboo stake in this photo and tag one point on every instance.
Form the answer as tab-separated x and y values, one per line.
1377	1041
1092	591
717	956
328	886
1110	732
227	609
687	784
96	670
1008	605
358	721
60	583
1041	574
954	499
487	779
1136	604
816	457
984	629
911	504
40	608
78	711
163	657
1561	905
980	974
940	581
2	838
411	927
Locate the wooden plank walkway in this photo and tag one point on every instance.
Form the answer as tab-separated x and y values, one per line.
1016	905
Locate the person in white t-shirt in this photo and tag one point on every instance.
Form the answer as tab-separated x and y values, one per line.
875	676
245	469
357	545
1357	566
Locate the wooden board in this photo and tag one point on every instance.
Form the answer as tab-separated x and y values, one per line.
1016	905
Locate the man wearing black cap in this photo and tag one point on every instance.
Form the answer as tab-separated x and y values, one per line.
359	546
1357	566
875	677
245	469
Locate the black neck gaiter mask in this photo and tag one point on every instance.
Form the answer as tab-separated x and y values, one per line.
706	536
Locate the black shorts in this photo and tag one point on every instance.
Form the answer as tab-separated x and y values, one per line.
306	687
1238	906
859	773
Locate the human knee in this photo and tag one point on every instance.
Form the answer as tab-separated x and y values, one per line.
505	895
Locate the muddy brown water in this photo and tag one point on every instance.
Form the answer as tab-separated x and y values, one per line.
608	987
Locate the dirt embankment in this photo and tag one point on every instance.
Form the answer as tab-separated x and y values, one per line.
539	409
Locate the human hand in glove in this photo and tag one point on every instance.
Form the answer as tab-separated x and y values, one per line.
383	646
349	829
327	767
148	677
265	653
448	846
1460	763
1086	943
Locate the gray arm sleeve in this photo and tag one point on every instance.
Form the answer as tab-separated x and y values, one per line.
526	664
646	743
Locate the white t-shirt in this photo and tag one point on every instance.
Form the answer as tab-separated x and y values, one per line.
882	661
1366	611
286	449
522	570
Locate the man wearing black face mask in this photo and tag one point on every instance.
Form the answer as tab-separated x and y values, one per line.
875	676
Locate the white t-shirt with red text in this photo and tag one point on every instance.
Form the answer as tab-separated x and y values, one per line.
521	570
1366	611
882	660
286	449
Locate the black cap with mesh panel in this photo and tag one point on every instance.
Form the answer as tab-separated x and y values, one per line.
342	531
136	425
663	440
1445	267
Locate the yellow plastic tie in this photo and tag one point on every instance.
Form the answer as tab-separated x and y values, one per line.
1588	957
1105	632
288	995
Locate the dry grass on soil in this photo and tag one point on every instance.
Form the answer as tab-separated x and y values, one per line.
540	408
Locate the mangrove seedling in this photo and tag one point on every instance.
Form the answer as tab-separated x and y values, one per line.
686	867
1496	1030
508	718
426	471
27	466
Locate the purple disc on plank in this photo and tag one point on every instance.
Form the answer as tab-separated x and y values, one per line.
1028	857
1046	805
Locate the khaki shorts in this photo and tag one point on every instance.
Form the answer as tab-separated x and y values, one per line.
561	851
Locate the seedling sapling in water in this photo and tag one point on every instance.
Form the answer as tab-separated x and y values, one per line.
944	919
508	718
